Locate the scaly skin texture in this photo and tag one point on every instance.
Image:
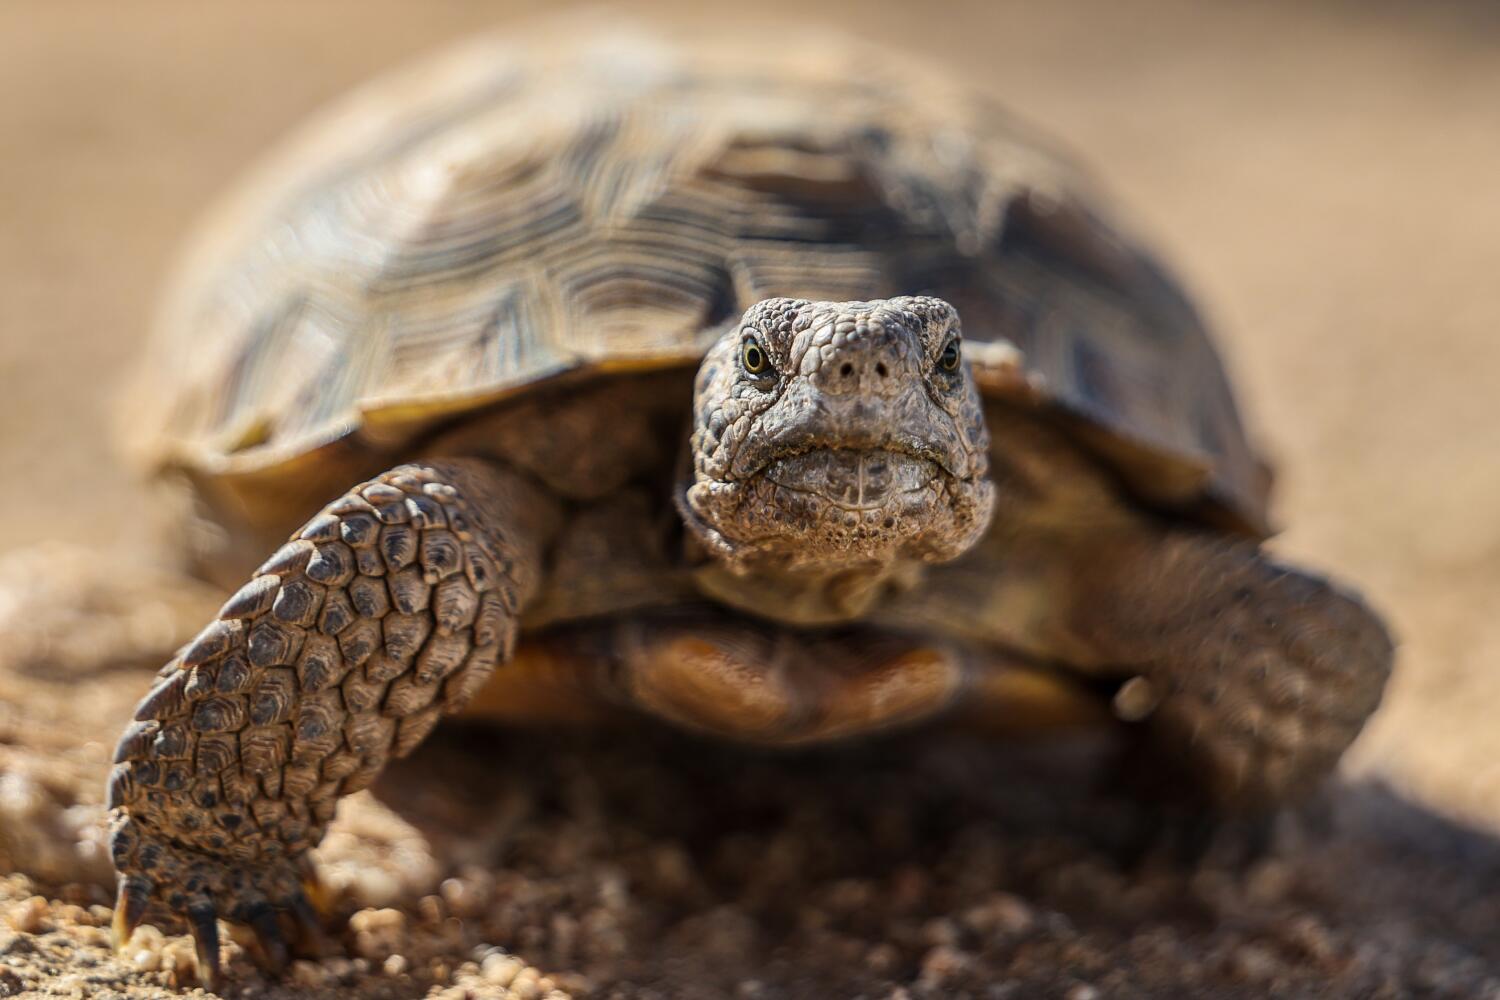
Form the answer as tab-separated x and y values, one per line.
837	440
1247	678
384	613
840	452
1261	675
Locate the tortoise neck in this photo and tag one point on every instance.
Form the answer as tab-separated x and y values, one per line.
805	597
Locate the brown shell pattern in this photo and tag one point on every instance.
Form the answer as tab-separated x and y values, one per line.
513	210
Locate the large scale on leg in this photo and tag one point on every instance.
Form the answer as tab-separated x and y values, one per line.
621	345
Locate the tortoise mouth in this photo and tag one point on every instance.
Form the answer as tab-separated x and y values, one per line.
861	479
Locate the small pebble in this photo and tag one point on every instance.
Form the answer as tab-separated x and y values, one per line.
467	896
1252	963
501	969
431	910
179	961
1002	913
75	914
940	964
68	986
1082	991
28	916
527	985
305	973
940	931
148	938
1308	935
883	958
378	934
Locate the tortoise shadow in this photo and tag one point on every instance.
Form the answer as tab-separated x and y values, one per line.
821	859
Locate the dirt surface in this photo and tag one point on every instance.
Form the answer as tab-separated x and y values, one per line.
1322	175
646	865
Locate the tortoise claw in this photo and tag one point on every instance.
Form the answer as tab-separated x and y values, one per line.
203	922
308	908
314	892
266	924
130	909
1188	840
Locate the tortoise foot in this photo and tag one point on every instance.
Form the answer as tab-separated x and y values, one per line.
274	898
382	614
1257	676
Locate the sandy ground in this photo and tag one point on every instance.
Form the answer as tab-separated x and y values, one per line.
1325	178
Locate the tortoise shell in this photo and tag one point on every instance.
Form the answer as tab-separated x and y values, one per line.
510	213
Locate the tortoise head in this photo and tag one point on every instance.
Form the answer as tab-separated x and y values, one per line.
837	435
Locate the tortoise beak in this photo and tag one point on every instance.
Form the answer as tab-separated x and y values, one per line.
806	419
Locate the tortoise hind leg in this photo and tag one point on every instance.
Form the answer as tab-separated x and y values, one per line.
382	614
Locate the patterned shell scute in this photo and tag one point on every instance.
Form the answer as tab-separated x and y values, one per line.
509	212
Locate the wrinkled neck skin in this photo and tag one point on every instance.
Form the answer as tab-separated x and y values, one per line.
806	595
837	449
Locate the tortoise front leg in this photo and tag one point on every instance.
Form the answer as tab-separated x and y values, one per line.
1255	676
382	614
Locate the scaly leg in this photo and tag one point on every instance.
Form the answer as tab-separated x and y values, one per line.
1256	677
382	614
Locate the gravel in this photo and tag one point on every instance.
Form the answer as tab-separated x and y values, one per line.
643	864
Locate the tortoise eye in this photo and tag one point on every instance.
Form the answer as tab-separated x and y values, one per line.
753	357
951	356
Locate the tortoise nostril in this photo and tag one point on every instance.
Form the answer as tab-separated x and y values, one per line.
846	369
881	370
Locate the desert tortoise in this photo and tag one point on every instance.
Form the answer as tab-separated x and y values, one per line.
652	358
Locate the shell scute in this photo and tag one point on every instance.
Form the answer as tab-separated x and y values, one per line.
478	225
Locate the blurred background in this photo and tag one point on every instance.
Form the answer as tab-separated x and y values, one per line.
1325	176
